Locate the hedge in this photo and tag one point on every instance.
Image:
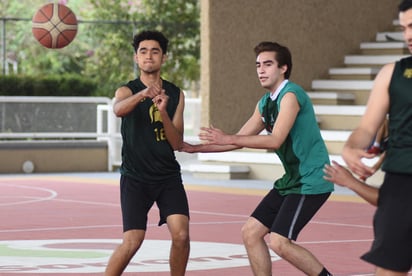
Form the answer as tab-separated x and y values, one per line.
53	85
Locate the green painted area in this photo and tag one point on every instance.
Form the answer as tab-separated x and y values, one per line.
6	251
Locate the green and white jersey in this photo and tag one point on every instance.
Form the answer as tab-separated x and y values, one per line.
304	153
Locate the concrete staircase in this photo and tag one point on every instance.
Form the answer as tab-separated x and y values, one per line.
339	103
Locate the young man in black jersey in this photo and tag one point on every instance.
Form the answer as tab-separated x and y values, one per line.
151	109
391	95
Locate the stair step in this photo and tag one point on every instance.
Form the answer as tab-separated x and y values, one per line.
218	171
339	117
342	85
259	157
335	135
389	36
335	140
353	73
329	98
356	110
331	95
359	88
371	60
384	48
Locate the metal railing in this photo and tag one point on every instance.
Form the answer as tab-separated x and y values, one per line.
74	118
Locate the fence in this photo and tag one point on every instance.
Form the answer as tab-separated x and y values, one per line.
74	119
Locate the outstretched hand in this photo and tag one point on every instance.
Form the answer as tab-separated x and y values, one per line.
211	135
353	158
343	177
338	174
186	147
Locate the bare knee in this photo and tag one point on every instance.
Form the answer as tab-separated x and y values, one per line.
179	230
181	238
252	231
132	240
247	235
279	244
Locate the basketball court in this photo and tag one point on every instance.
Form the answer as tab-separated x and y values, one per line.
69	224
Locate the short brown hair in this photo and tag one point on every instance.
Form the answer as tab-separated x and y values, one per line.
282	54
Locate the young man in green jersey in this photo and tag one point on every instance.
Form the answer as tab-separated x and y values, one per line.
287	114
391	95
151	109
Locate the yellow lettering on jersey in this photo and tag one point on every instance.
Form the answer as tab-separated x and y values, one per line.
407	73
154	114
160	134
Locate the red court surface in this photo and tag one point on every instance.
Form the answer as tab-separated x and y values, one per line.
69	224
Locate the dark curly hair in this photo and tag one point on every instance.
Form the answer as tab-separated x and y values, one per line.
150	35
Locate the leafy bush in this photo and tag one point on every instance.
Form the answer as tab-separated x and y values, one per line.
53	85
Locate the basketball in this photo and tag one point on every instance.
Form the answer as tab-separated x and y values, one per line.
54	26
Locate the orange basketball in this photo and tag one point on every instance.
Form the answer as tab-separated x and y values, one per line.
54	26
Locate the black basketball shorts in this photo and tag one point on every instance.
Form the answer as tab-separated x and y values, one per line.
287	215
392	225
137	199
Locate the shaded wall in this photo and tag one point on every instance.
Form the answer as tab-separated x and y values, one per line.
319	34
54	156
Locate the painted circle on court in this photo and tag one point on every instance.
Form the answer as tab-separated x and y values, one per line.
12	195
91	256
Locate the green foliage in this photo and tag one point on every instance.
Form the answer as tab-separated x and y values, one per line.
179	20
54	85
102	49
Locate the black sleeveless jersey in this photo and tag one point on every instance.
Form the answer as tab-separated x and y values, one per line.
398	157
146	154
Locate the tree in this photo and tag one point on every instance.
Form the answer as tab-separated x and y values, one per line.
102	48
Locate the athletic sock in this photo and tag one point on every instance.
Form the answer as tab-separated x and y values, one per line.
324	272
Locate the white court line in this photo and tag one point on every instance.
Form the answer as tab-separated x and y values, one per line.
53	194
335	241
219	214
88	202
342	224
314	222
102	226
57	228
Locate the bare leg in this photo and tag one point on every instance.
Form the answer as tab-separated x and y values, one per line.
132	240
253	233
179	252
384	272
296	255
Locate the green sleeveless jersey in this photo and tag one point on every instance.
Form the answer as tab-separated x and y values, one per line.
398	157
304	153
146	154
